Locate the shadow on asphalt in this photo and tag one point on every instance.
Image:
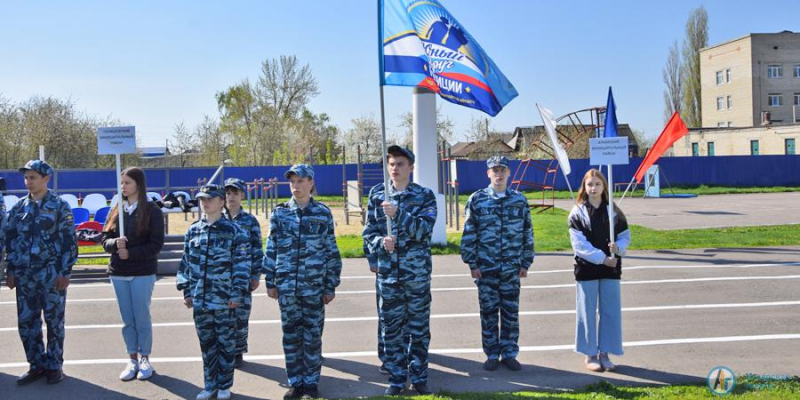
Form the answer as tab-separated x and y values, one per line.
69	388
715	256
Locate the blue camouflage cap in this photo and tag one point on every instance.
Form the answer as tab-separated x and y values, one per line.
38	166
209	191
496	161
236	183
396	150
301	170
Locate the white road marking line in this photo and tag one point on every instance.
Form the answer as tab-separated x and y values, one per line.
171	281
473	288
447	316
359	354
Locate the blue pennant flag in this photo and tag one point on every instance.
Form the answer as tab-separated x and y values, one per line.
422	44
610	125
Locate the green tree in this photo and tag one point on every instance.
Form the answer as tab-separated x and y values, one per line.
696	38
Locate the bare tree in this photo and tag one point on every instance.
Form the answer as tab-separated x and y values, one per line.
696	38
444	126
367	133
184	142
671	74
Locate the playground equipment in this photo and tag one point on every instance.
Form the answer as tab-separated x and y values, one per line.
570	130
448	185
353	191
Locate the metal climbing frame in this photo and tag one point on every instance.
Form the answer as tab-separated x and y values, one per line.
570	129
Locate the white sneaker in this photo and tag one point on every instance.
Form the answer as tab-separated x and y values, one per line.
206	395
606	362
593	364
145	370
130	370
224	394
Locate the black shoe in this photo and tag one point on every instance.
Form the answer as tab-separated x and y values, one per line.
294	393
512	364
32	375
382	369
491	364
422	388
238	360
310	392
393	391
54	376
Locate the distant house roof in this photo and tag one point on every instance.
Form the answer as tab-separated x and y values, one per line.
531	134
154	151
480	149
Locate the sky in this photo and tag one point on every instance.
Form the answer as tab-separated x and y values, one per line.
155	64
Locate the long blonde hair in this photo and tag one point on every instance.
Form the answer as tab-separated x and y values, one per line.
583	197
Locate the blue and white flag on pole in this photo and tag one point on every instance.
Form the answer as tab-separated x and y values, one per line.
422	44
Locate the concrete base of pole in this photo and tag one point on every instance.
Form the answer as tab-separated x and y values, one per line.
425	150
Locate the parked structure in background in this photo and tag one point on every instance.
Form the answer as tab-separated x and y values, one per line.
751	81
752	141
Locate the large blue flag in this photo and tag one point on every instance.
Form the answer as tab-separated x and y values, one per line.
422	44
610	125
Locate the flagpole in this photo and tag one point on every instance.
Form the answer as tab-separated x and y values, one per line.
626	190
386	186
610	203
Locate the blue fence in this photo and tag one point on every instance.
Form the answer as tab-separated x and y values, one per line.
740	171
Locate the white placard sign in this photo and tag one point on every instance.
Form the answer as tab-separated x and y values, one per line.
608	151
116	140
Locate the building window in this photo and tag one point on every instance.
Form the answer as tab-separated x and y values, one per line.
719	78
720	124
775	71
797	99
695	149
754	147
730	102
730	124
790	150
711	149
720	103
775	100
728	75
797	70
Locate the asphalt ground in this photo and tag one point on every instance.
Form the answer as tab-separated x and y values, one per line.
709	211
684	312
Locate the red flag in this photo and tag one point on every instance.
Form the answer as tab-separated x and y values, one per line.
674	130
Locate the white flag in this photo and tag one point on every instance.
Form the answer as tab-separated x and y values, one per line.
550	127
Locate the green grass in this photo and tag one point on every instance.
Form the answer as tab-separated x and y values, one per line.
747	387
550	232
336	201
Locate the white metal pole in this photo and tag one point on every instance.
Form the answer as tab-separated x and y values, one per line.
41	153
120	204
610	203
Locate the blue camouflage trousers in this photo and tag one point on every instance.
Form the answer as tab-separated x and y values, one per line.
405	310
32	300
302	318
498	294
243	323
216	331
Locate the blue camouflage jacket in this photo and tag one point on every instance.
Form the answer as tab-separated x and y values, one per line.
497	230
302	258
215	268
412	225
40	239
250	224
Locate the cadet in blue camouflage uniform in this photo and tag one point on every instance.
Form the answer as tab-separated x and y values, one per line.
41	245
214	276
235	192
302	266
498	247
404	270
